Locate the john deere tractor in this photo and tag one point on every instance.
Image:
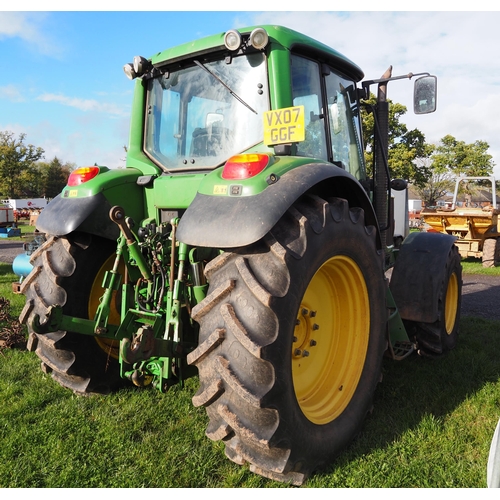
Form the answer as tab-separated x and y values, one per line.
245	244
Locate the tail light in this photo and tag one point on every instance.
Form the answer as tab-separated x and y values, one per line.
244	166
81	175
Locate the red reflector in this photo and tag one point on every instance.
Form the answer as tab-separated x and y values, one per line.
81	175
244	166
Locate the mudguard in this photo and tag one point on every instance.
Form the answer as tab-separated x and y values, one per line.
85	207
235	221
65	215
418	275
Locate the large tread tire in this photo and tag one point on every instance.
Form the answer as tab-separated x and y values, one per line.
64	270
246	350
490	256
435	339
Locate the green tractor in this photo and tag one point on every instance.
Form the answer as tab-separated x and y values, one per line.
244	244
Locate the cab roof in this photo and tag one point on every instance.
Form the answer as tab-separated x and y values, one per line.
279	37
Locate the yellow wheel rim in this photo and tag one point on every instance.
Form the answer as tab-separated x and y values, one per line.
451	305
330	340
109	346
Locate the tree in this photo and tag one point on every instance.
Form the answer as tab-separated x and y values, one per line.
452	158
430	169
407	148
31	183
16	158
437	186
461	158
45	179
56	177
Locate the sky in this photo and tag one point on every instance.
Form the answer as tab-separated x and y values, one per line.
62	82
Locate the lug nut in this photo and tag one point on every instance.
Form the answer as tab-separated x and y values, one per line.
315	327
297	352
305	312
294	339
312	314
312	343
305	354
297	322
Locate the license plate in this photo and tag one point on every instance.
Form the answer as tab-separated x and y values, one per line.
284	126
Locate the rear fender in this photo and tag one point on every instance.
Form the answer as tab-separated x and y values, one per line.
64	215
236	221
86	207
418	275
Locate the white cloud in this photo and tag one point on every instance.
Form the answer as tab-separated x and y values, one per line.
376	39
460	48
12	93
29	27
84	104
80	147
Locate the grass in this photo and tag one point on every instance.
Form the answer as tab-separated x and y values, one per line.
432	427
26	230
474	266
433	420
25	227
7	277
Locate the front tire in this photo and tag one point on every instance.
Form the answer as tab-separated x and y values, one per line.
292	339
438	338
68	271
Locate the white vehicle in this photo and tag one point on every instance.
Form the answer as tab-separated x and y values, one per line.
6	216
26	204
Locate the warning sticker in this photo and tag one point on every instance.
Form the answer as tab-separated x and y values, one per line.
285	125
220	189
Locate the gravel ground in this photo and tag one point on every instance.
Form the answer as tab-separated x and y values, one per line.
9	250
481	296
480	293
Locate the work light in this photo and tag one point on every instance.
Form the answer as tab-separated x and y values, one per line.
232	40
129	71
259	38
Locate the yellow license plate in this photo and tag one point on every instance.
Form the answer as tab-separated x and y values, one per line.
285	125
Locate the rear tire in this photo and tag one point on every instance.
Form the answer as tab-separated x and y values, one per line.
490	252
67	271
291	341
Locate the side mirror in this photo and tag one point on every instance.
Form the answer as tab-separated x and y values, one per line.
425	95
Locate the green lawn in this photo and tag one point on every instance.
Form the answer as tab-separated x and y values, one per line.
432	425
26	231
474	266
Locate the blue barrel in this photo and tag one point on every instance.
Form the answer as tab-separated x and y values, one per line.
21	265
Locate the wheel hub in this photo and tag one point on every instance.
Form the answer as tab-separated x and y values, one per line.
330	339
306	328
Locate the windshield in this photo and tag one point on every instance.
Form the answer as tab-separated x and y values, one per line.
194	121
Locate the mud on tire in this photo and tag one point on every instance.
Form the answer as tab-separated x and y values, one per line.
64	270
278	316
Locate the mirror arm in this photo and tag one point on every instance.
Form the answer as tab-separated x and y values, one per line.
366	84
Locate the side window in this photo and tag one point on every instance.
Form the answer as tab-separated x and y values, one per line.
306	89
343	114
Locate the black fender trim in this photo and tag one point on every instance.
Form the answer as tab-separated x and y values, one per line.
231	221
418	275
65	215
